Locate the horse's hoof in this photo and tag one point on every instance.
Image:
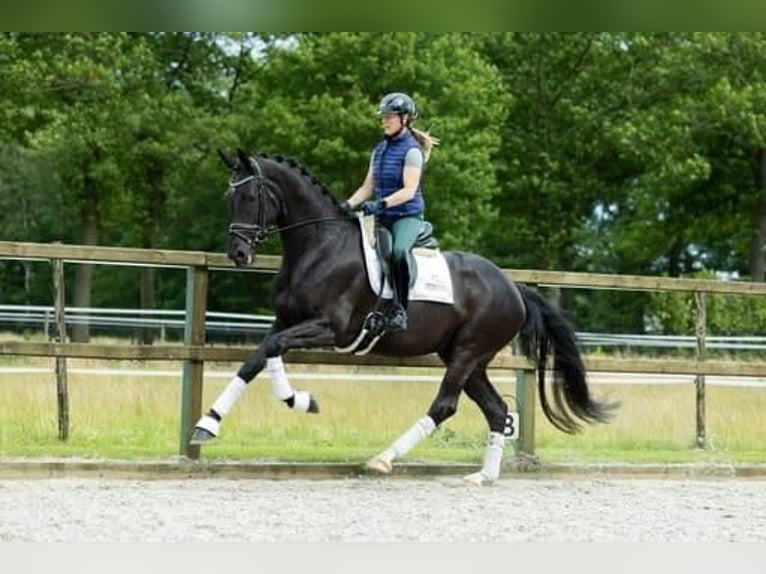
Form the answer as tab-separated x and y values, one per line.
379	465
477	479
201	436
313	406
205	430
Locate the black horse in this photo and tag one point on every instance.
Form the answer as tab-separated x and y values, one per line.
322	296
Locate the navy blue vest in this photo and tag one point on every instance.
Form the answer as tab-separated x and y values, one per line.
387	171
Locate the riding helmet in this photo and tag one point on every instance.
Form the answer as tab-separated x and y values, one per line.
397	103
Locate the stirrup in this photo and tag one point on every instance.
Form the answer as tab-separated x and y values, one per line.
375	323
396	320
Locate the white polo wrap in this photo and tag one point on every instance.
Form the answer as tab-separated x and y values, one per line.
229	396
209	424
493	456
302	401
420	430
280	386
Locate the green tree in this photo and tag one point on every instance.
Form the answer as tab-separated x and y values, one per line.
609	152
176	103
316	98
621	155
695	201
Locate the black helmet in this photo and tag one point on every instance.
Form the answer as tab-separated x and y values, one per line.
397	103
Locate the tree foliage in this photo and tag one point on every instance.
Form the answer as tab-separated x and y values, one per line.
638	153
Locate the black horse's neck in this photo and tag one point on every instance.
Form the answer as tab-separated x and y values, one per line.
306	213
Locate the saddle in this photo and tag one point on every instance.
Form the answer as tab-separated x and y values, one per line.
384	246
434	283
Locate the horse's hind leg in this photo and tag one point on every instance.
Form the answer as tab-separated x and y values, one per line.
495	410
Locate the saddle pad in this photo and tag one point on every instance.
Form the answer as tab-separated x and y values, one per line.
433	281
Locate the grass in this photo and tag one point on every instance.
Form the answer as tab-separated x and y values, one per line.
137	417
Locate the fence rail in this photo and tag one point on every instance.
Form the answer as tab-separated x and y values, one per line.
271	263
217	322
15	317
194	352
503	361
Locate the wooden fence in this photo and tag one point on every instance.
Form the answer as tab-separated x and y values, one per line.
194	351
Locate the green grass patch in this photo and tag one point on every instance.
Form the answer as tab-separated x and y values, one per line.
137	417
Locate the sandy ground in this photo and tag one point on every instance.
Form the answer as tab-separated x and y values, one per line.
382	510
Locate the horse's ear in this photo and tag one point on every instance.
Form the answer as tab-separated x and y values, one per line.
244	159
228	161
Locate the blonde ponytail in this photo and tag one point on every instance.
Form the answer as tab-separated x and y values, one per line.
426	141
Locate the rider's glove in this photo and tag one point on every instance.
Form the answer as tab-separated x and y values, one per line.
374	206
346	209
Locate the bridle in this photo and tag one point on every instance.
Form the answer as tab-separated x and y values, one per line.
256	233
252	233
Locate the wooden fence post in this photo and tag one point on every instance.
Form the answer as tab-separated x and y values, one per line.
193	370
59	336
525	405
699	380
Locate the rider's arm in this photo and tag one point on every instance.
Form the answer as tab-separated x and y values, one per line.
365	190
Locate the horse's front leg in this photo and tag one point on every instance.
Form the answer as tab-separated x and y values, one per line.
315	333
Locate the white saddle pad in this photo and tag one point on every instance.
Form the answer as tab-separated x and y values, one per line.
433	281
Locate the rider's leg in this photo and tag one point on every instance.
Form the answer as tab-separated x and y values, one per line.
404	231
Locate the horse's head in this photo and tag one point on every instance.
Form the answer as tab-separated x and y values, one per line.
252	207
274	194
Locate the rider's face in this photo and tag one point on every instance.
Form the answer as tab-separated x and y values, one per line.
392	123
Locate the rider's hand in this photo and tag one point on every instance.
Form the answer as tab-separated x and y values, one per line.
374	206
346	209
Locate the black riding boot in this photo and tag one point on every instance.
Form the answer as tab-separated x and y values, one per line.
400	282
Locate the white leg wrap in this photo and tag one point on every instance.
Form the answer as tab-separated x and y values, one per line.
417	432
493	456
383	462
280	386
302	401
209	424
229	396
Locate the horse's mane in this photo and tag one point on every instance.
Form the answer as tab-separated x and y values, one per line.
295	165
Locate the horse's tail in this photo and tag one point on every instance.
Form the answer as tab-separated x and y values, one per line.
545	329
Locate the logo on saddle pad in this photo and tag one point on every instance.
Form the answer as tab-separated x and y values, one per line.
433	281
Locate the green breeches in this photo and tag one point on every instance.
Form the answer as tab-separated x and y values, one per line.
404	231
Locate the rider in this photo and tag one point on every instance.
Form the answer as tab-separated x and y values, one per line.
391	191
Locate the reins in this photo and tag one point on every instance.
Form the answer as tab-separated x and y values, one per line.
253	233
